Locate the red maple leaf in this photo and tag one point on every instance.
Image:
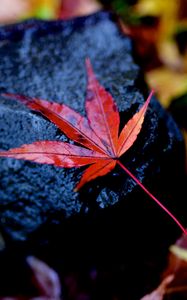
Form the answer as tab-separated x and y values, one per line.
99	133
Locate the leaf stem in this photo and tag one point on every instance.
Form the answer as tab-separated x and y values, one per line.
153	197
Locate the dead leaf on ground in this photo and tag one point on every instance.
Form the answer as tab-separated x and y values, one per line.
177	265
45	279
159	293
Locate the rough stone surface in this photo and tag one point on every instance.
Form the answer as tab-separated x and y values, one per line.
37	202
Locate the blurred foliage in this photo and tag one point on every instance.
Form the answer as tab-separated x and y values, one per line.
45	9
160	37
124	9
11	11
157	27
16	10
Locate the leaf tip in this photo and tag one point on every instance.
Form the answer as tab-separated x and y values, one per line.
148	99
20	98
77	188
87	60
89	67
152	91
150	95
6	95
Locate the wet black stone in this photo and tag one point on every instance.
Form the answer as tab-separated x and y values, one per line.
80	231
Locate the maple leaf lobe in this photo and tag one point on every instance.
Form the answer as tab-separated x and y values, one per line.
100	113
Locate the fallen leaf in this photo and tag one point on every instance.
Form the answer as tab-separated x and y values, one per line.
45	279
99	133
177	265
159	293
